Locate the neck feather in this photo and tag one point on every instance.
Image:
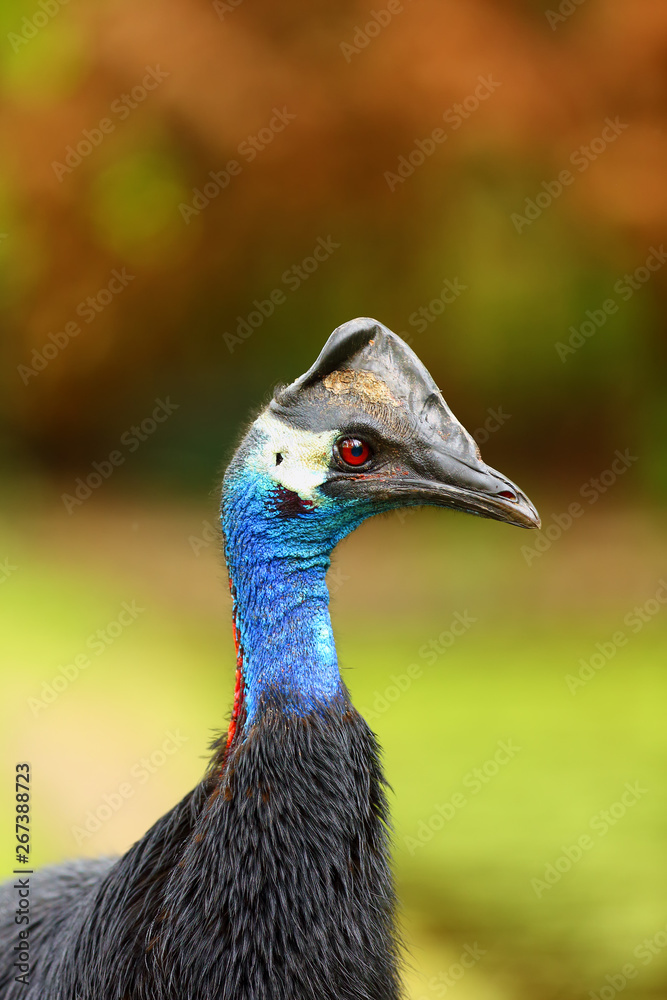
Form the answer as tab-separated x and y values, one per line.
270	881
283	630
277	568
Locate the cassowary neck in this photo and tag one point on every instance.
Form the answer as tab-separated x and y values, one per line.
277	569
283	629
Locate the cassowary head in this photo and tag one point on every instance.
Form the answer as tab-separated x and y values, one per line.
364	430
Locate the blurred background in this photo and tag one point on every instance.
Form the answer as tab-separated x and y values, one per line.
192	196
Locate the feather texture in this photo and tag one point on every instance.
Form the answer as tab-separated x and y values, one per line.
270	881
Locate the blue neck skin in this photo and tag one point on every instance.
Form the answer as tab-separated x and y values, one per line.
278	552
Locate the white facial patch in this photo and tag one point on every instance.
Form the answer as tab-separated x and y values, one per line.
305	455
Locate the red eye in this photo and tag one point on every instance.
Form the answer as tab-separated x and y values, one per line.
354	451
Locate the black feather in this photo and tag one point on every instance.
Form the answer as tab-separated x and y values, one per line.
270	881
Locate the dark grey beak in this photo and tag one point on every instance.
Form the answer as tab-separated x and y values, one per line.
475	490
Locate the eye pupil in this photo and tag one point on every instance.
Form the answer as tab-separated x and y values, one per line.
354	451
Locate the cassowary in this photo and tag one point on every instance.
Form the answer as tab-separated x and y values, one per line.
271	880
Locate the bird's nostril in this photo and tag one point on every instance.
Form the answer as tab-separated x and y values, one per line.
508	495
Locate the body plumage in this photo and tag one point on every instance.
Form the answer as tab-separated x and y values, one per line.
271	880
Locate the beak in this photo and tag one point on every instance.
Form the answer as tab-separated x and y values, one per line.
474	490
446	477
